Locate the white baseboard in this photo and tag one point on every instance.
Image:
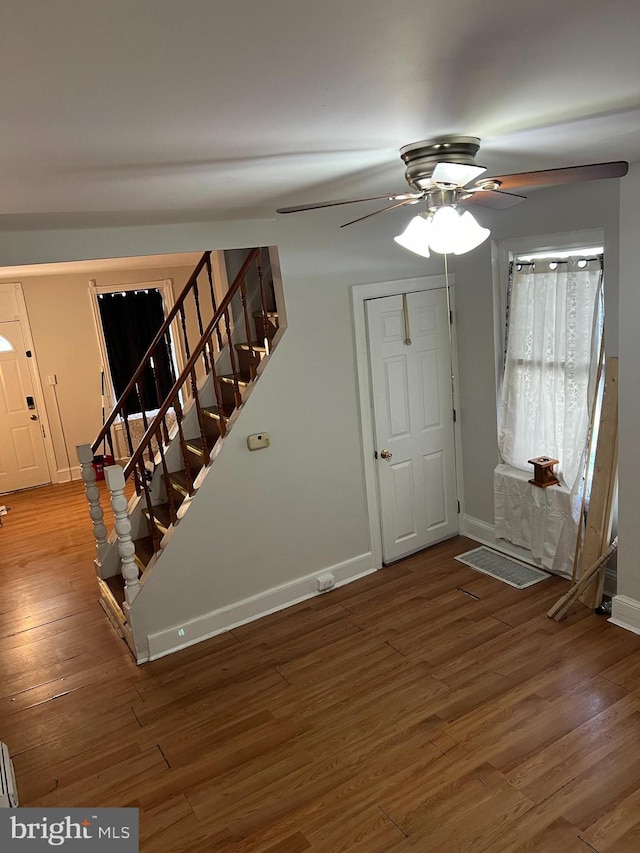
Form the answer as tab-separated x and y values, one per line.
177	637
477	529
66	475
484	533
625	612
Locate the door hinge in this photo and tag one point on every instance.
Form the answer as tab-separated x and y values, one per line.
44	435
455	416
451	318
458	507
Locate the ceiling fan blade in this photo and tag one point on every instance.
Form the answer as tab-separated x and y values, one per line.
388	197
568	175
495	199
382	210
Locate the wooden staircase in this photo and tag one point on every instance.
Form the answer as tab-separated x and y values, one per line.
158	478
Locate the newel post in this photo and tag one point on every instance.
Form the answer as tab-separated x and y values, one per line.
114	476
85	458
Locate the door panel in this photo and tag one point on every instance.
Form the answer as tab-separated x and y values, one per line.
23	462
413	420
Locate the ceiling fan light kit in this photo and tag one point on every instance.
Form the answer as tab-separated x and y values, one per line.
438	171
445	231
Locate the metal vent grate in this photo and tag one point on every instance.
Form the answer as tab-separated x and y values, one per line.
502	568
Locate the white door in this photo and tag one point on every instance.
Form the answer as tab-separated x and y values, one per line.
23	461
413	420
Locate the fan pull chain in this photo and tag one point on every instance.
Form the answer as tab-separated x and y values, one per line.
407	327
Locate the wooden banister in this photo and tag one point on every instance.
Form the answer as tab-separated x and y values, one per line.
187	374
179	304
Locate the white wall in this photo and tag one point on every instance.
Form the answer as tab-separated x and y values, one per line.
629	393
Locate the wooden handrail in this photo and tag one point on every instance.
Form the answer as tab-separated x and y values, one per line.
149	353
189	367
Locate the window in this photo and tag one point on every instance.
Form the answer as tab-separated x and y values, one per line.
130	320
553	333
5	345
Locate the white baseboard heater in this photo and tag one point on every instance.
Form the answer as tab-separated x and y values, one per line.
8	788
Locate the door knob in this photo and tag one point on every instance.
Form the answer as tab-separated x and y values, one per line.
385	454
34	417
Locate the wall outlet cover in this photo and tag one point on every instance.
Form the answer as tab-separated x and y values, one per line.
326	582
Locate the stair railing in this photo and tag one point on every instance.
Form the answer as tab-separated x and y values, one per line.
189	302
214	337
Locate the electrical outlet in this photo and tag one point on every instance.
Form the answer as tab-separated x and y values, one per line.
326	582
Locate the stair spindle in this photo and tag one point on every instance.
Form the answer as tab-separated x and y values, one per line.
127	431
196	296
247	329
185	337
109	437
126	546
213	299
171	499
156	381
183	446
92	492
263	302
217	391
232	358
203	435
142	474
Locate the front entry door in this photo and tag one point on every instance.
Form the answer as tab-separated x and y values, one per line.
413	420
23	461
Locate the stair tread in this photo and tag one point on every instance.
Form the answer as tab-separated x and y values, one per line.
161	514
214	411
197	445
178	479
258	346
144	550
257	314
116	588
229	379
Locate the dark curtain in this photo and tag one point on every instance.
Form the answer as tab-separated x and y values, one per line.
130	323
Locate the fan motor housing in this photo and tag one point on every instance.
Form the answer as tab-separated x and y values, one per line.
421	158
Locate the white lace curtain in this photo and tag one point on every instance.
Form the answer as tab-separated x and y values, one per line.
553	334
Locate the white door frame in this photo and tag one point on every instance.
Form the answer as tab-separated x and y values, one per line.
359	294
34	372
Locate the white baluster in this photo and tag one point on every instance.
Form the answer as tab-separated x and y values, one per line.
114	476
85	458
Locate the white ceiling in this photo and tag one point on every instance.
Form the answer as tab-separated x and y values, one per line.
133	111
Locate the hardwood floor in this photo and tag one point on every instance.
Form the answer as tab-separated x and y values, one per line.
423	708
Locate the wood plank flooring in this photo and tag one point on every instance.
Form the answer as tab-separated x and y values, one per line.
423	708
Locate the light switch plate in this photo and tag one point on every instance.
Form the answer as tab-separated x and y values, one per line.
258	441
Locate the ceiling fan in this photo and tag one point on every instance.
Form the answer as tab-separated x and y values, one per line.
442	173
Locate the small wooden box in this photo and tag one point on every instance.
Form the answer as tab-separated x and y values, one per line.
543	475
